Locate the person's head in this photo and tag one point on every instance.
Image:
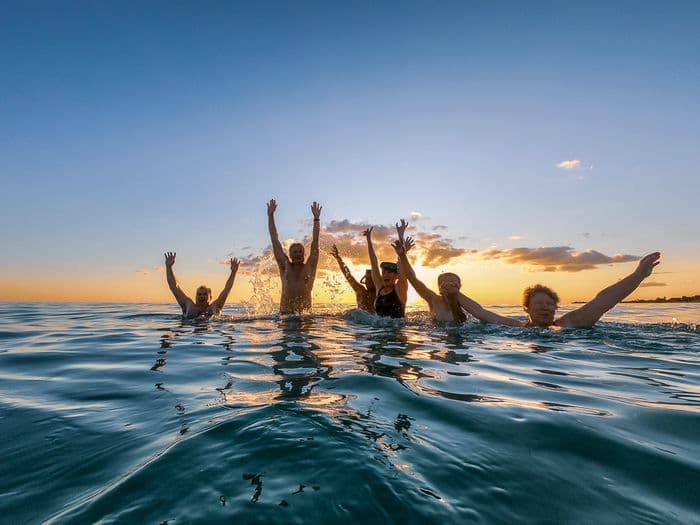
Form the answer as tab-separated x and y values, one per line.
540	303
367	280
296	253
390	273
203	296
449	282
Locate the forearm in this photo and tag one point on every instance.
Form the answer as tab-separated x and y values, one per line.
376	276
221	300
482	314
615	293
172	282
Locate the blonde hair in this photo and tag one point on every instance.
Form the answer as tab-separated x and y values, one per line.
208	290
538	288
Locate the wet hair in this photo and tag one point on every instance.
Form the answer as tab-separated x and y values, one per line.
296	244
538	288
448	274
390	267
367	279
208	290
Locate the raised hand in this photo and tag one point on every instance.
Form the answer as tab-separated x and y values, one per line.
334	251
271	207
169	259
316	210
647	264
368	233
235	263
398	248
408	243
401	228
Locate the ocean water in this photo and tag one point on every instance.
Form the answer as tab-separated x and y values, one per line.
122	413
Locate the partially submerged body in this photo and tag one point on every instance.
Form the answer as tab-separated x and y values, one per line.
443	306
201	306
540	303
391	283
296	275
365	292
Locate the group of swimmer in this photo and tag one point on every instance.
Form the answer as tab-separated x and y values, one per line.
384	288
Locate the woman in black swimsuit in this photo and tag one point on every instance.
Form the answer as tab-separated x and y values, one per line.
391	283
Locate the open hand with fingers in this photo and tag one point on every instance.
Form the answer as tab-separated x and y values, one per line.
368	233
271	207
408	243
334	251
401	228
316	210
235	263
647	263
169	259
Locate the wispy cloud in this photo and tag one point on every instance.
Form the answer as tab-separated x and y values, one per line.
418	216
652	284
569	164
555	258
516	237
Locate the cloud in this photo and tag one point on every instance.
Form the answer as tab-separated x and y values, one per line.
516	237
555	258
432	249
651	284
142	272
569	164
439	227
418	216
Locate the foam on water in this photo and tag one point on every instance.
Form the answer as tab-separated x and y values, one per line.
125	413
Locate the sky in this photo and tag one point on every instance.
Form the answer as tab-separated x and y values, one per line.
525	142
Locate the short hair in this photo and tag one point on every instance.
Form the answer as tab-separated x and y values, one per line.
295	244
538	288
208	290
448	274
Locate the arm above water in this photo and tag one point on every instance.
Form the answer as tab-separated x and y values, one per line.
313	256
484	315
376	276
589	313
221	300
277	250
401	247
356	286
180	296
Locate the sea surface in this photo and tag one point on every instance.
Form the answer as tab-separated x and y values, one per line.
123	413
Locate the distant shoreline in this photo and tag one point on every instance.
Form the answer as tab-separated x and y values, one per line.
684	299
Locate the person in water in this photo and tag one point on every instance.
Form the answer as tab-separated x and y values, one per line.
391	283
365	292
540	303
202	305
444	306
297	276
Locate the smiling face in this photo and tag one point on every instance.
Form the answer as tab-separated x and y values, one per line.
203	296
296	253
541	309
449	283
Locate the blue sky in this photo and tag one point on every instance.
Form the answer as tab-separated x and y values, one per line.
129	129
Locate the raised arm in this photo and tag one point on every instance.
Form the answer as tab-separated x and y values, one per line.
376	276
221	300
405	266
277	249
313	256
346	271
590	312
484	315
402	283
180	296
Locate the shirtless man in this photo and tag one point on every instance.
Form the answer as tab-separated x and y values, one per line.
540	303
201	307
297	276
444	306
